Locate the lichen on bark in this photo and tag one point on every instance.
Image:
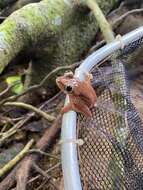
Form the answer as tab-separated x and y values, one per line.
66	29
24	27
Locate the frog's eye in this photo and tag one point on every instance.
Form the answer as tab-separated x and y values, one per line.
68	88
69	74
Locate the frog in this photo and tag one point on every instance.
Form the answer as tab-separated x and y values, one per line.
82	96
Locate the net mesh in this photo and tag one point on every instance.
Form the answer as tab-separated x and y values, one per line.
111	157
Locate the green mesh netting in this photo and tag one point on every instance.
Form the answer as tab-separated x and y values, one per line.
111	157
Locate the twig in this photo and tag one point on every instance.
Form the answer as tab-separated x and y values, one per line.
30	107
8	89
57	70
5	120
49	170
40	171
15	160
103	23
17	126
118	9
96	46
13	130
116	22
48	102
43	153
114	25
44	174
35	87
9	180
5	91
42	184
25	165
42	144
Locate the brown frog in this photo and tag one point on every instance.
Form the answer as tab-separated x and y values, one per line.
81	94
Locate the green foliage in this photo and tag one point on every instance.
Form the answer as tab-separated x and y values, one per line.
16	83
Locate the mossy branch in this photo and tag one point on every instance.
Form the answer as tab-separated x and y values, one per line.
101	20
26	26
15	160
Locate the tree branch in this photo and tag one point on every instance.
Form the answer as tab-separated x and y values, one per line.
15	160
32	108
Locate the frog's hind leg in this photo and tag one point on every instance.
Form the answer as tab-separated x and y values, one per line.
83	109
86	112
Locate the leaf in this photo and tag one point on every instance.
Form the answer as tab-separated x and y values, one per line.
15	81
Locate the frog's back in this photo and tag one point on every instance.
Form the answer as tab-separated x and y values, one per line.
87	93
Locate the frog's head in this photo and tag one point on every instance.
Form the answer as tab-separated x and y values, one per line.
67	82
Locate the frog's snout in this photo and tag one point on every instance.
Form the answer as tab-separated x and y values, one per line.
57	80
60	83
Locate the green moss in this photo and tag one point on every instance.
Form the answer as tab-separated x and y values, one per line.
26	25
7	28
74	30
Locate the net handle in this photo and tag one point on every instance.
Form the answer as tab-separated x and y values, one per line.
70	164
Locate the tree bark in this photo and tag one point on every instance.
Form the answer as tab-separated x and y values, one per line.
61	31
62	19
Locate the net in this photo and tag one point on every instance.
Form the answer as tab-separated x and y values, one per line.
111	157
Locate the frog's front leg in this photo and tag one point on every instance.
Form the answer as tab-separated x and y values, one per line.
88	77
66	108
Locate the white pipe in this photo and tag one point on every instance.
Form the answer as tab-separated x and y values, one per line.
69	152
107	50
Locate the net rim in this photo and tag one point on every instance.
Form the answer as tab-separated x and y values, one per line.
70	165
